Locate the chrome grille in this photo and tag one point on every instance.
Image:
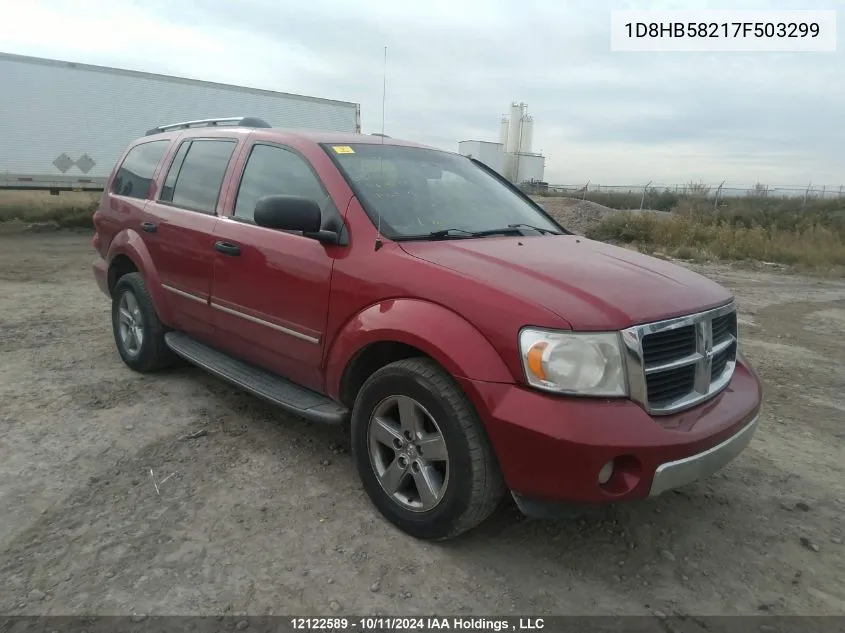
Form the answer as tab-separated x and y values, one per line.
678	363
662	347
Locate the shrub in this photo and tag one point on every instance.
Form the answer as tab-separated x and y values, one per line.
695	231
70	210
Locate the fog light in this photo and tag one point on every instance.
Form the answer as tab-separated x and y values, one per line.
606	473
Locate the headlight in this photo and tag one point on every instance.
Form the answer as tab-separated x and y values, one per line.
578	363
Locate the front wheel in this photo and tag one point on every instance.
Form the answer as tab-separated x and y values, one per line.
421	452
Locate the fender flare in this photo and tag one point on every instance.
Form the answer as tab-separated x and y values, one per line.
437	331
131	244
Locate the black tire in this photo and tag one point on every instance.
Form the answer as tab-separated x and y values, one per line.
474	486
153	354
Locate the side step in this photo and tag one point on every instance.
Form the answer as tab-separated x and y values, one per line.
274	389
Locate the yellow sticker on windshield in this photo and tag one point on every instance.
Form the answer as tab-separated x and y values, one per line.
343	149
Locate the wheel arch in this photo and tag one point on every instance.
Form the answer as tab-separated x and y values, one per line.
128	253
121	265
395	329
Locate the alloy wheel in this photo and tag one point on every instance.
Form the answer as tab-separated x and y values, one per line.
408	453
131	324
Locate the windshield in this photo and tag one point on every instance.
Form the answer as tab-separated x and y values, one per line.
418	191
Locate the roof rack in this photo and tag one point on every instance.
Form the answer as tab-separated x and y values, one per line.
239	121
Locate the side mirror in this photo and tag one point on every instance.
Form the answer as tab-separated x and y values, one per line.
294	213
288	213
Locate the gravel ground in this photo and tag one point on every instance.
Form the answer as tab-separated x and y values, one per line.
579	216
108	509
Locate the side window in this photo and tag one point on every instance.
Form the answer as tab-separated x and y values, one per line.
275	171
173	173
196	183
136	173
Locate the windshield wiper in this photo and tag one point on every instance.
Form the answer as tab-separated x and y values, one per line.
447	233
509	229
455	233
522	225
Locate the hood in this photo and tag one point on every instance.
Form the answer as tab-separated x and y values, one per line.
591	285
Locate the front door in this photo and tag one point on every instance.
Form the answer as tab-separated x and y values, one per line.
270	291
183	220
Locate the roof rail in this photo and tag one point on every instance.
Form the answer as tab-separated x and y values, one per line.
239	121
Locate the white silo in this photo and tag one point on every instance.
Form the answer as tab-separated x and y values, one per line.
514	128
503	132
527	136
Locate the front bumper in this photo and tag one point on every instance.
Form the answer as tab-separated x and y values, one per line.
689	469
552	448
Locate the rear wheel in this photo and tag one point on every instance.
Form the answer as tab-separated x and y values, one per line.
421	452
138	332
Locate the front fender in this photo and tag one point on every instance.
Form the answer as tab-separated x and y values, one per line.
131	244
444	335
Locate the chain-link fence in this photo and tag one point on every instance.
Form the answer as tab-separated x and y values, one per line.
663	196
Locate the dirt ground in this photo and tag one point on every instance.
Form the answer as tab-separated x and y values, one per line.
107	509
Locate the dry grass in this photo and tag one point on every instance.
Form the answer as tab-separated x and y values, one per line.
67	210
812	242
701	195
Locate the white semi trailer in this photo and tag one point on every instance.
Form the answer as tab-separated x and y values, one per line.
63	125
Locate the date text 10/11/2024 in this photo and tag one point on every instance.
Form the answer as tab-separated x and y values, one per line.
417	624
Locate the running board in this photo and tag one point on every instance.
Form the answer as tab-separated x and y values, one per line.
274	389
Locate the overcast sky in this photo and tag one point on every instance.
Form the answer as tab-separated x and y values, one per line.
455	65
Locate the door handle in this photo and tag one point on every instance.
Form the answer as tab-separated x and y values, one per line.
149	227
227	248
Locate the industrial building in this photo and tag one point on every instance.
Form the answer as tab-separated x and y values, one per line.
512	156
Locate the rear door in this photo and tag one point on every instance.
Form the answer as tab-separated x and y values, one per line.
124	204
270	293
181	224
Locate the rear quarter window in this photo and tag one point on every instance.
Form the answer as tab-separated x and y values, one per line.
135	175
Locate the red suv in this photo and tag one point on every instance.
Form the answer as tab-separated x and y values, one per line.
474	345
